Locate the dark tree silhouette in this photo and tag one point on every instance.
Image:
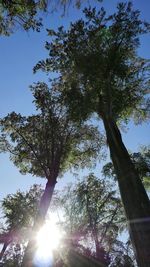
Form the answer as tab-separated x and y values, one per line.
97	58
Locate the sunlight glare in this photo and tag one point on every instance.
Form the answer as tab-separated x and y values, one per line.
48	239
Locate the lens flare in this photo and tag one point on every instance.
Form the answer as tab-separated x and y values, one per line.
48	239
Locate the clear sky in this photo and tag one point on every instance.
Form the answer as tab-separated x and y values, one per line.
18	54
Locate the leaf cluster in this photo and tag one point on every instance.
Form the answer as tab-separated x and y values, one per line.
22	13
13	256
27	14
19	209
141	162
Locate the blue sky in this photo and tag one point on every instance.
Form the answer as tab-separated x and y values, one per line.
18	54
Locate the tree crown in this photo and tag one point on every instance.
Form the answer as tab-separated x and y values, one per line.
49	142
97	58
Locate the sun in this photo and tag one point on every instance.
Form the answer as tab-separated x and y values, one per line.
48	239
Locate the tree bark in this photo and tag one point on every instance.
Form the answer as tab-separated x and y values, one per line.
101	254
3	250
39	220
97	247
6	239
134	197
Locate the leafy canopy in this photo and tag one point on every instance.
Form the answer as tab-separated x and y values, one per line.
19	209
97	59
93	216
48	143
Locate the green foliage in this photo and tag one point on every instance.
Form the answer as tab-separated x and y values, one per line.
92	213
19	210
49	143
20	13
27	14
78	219
13	256
97	58
122	255
141	162
101	209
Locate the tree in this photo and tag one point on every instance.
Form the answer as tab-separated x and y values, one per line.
79	221
100	208
101	72
92	219
47	144
19	211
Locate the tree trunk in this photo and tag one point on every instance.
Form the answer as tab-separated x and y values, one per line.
3	250
6	239
101	254
135	200
39	220
96	241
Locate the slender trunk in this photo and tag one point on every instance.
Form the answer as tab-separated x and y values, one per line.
135	200
6	239
101	254
39	220
97	247
3	250
95	237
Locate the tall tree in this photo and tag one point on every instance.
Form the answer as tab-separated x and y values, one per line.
47	144
97	58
